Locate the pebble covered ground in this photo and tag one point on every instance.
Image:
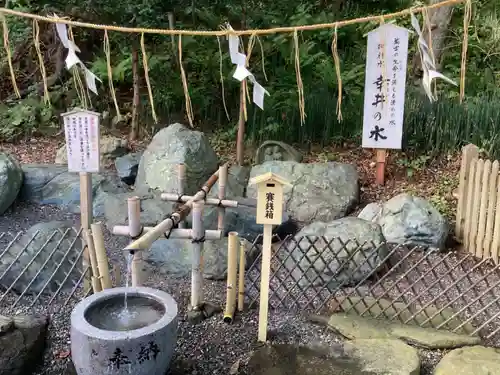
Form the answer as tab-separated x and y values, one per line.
211	347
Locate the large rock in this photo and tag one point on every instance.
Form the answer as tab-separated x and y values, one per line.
409	219
22	346
363	357
109	147
11	179
276	151
171	146
127	167
172	257
353	326
476	360
319	192
345	251
49	244
53	185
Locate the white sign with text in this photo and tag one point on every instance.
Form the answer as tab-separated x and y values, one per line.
81	128
385	84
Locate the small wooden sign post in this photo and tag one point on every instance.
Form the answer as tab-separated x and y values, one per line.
269	213
81	128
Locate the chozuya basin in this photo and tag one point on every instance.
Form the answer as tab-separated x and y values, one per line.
101	345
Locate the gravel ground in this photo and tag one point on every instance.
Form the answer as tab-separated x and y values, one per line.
211	347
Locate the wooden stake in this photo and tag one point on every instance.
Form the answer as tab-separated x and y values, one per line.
240	138
134	227
86	220
232	269
197	265
241	275
264	282
180	187
102	259
381	160
222	194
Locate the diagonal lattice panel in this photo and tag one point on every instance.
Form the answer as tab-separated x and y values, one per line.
408	284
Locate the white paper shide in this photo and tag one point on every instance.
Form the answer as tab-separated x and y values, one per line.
385	82
81	129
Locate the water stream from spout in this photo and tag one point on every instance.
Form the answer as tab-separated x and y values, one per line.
126	315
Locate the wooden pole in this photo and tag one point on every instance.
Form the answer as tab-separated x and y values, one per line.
232	269
96	282
381	155
134	228
240	138
264	282
222	194
86	221
197	265
180	187
102	259
145	242
241	275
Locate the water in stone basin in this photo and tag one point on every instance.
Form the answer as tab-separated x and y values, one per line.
108	314
125	315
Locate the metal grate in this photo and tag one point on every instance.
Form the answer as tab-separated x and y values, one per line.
409	284
40	268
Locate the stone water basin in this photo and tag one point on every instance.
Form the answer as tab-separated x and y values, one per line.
105	340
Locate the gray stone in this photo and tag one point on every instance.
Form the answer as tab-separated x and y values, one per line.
276	151
11	179
48	234
172	257
319	192
363	357
144	351
477	360
409	219
109	147
359	236
353	326
51	185
21	349
171	146
127	166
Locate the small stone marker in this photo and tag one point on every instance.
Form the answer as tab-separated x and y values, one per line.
269	213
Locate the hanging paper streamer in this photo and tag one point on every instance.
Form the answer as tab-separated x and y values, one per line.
72	58
241	72
428	63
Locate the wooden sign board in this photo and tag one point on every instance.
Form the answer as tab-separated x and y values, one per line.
269	198
81	128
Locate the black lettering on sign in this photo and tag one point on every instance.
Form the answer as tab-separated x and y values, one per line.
118	359
148	352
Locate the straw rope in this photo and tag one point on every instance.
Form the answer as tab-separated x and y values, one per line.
286	29
107	52
467	18
80	89
300	86
6	45
43	72
148	82
189	110
222	79
336	60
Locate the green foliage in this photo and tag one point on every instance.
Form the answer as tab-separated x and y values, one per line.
413	165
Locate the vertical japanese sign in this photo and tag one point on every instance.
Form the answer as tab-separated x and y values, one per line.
385	81
81	129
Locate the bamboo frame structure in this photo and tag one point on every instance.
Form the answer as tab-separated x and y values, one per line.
227	203
232	270
145	241
221	196
197	262
102	259
134	230
95	280
241	277
180	188
122	230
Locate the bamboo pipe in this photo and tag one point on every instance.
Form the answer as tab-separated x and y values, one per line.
122	230
248	202
197	263
134	229
241	276
145	242
222	194
232	269
180	187
96	283
102	258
